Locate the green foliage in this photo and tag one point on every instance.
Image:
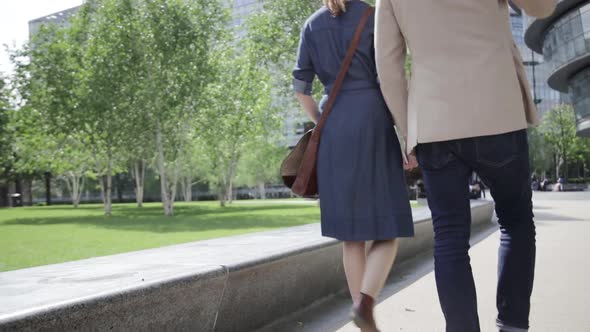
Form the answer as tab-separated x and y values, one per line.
6	132
126	76
559	137
261	164
158	82
238	111
540	156
280	23
179	40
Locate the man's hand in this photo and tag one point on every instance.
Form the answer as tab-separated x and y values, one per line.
412	162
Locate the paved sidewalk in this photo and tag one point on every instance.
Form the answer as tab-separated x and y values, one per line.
561	298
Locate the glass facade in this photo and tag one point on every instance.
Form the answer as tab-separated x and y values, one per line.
61	19
568	39
537	70
566	42
580	92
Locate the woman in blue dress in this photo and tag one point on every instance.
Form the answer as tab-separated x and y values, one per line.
360	166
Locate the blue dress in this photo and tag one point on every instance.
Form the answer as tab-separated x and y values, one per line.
361	181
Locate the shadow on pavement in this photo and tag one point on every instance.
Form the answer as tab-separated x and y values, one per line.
544	217
333	313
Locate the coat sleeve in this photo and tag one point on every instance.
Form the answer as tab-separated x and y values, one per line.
536	8
390	57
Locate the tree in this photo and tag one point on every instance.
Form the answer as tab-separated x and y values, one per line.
36	148
5	130
540	154
241	111
108	79
582	154
138	165
45	81
559	133
261	165
6	137
178	37
193	166
235	114
74	162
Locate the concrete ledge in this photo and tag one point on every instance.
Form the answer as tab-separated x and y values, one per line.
238	283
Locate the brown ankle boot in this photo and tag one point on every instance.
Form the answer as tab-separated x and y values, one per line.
362	314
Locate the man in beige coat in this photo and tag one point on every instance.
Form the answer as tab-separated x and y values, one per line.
466	108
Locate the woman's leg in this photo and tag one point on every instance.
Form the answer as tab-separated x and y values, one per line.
354	257
380	258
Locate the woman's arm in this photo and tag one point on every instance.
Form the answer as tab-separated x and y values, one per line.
309	105
303	75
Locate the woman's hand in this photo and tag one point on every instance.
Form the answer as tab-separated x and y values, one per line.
411	163
310	106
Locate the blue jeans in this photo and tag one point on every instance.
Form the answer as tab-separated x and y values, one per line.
502	162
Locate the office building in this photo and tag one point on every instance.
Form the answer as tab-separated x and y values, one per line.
564	41
535	66
61	18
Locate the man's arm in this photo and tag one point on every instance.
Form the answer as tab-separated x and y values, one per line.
390	56
537	8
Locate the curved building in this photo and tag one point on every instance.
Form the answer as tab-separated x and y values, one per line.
537	72
564	40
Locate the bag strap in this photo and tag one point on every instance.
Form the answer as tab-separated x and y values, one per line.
344	69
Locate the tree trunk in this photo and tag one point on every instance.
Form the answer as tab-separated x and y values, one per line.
187	189
30	192
76	191
138	172
25	190
173	188
11	191
230	192
119	188
81	189
221	196
262	190
102	189
565	170
108	203
230	180
108	208
68	179
48	188
557	161
166	201
222	189
75	184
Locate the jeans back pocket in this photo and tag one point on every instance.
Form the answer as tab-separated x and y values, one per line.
497	150
434	156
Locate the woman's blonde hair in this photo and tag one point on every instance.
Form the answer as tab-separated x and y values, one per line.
336	7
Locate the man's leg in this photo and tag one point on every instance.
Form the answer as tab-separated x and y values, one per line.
447	189
503	164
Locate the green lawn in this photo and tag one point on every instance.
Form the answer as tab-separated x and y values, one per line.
36	236
46	235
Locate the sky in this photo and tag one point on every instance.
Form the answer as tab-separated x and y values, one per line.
14	22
